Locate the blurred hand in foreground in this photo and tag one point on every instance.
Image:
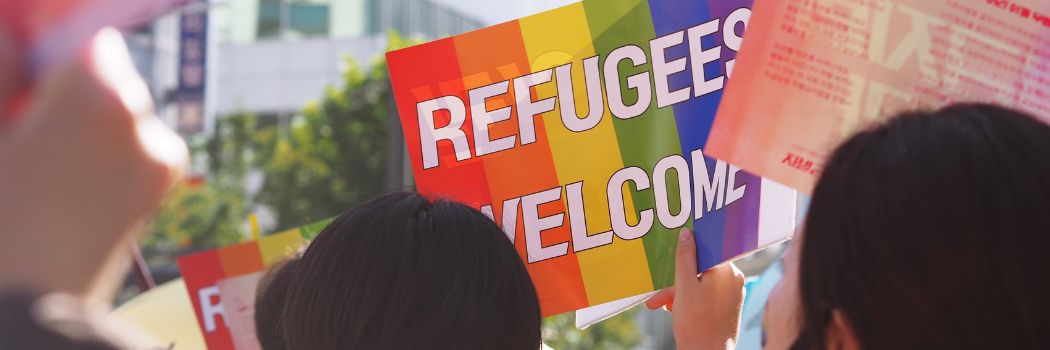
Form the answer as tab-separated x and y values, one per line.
705	310
80	170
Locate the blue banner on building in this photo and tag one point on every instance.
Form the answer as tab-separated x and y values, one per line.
193	71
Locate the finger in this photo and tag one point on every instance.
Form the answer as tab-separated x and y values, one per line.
723	276
112	63
739	281
737	274
685	260
662	298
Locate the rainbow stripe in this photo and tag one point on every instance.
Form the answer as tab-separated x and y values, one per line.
452	66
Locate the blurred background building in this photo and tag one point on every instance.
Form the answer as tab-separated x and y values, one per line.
271	57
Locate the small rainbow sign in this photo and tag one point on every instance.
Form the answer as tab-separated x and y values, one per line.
222	284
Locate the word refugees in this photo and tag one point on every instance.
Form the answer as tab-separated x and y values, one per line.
647	85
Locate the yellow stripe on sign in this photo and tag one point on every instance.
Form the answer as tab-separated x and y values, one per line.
556	38
279	246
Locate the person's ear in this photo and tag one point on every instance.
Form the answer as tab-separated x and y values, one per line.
840	333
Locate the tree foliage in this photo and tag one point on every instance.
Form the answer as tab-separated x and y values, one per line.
315	164
618	332
332	156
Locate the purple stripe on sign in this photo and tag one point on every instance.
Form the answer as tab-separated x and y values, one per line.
721	10
709	230
741	219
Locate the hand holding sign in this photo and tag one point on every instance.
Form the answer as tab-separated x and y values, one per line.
705	309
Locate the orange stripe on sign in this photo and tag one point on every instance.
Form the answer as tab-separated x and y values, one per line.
495	55
241	259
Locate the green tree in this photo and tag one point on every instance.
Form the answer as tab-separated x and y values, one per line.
209	210
195	218
322	161
618	332
332	155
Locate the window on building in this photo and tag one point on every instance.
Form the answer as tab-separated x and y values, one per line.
269	22
308	19
293	18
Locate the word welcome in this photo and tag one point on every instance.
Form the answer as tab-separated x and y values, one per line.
714	190
596	76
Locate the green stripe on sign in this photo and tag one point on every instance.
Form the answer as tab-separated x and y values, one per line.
646	138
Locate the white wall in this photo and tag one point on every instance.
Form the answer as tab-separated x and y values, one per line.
236	20
283	76
499	11
346	18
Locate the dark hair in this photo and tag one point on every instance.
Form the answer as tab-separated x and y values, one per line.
269	302
402	272
930	232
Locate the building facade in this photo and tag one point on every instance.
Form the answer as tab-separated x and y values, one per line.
272	57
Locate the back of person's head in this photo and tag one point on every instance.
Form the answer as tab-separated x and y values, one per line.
269	303
403	272
931	231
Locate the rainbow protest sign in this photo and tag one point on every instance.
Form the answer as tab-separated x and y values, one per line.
222	284
579	131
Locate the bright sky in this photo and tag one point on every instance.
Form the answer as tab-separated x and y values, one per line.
497	11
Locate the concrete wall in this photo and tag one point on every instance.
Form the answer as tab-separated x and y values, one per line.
282	76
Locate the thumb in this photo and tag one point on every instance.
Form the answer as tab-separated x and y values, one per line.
685	260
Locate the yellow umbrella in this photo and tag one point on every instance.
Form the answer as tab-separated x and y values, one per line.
166	314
